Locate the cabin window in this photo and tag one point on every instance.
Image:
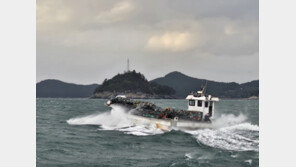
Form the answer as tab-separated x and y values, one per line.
192	102
199	103
206	104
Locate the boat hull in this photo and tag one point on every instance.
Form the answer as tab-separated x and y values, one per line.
169	124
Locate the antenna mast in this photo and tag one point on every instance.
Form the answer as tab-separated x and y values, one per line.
205	87
127	67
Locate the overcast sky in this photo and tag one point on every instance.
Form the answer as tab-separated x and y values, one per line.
86	41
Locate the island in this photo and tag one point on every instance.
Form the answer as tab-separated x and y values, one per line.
133	85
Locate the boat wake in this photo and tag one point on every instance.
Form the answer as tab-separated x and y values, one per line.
230	132
240	137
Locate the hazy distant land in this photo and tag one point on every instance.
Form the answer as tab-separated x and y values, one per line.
55	88
135	85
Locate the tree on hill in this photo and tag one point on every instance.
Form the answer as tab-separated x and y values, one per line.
133	82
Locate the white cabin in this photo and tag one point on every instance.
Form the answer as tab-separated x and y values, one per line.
202	103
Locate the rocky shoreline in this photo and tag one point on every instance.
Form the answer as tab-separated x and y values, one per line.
138	95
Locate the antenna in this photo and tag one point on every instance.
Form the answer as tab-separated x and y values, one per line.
203	87
206	87
127	67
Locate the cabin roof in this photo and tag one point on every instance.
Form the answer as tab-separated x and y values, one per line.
204	98
120	96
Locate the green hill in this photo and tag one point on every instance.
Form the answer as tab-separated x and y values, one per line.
184	84
134	84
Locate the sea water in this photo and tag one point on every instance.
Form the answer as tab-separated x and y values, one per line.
85	132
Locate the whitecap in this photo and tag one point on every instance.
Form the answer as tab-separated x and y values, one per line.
188	156
249	161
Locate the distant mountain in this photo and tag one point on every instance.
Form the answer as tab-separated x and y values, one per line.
134	85
56	88
184	84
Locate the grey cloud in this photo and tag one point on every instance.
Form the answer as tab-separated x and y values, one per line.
87	41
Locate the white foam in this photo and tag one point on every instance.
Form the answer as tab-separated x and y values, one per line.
234	155
226	120
225	140
243	126
109	120
249	161
142	130
230	133
188	156
116	119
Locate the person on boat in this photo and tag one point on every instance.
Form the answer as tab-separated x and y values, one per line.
207	117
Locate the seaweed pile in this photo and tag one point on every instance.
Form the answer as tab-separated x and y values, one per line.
150	110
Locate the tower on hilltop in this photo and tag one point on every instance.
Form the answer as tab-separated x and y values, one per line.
127	66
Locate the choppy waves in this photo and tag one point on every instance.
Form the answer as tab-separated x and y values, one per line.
230	132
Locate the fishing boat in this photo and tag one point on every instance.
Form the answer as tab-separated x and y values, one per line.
199	114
